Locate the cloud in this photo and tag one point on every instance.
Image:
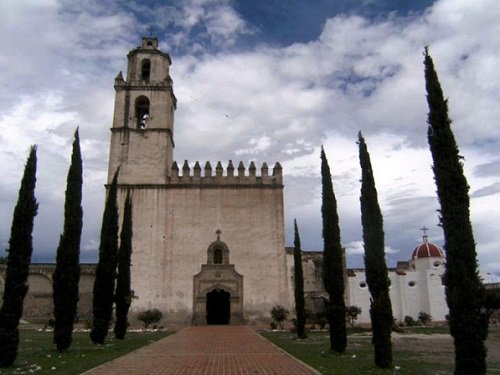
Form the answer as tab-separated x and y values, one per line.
486	191
491	168
265	103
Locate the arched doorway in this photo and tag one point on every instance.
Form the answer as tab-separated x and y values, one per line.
217	289
218	307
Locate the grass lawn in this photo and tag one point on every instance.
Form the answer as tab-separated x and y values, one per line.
37	353
418	351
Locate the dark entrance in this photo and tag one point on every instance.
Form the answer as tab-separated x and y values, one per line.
218	307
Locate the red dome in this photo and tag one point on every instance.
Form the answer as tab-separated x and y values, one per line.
427	250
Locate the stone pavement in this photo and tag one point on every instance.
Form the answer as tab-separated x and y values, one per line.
207	350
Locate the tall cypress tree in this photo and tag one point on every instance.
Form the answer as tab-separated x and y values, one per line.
376	269
333	263
18	261
67	273
300	309
105	275
123	294
464	291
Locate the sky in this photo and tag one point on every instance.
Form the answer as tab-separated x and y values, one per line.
263	81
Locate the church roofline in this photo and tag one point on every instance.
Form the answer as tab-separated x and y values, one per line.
230	176
206	183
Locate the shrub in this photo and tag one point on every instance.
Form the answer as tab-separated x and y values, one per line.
149	317
279	315
321	321
424	318
409	321
352	313
88	324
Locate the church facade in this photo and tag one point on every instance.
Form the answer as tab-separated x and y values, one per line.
208	245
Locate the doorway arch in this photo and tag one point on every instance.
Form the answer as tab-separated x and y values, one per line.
218	307
217	289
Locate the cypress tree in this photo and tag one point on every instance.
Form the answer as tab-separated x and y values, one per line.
67	273
465	293
104	284
376	269
333	263
18	261
300	310
123	294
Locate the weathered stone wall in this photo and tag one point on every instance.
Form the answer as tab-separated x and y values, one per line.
174	226
38	303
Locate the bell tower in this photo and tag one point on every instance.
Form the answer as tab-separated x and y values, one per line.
142	135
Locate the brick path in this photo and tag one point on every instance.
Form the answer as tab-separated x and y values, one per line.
208	350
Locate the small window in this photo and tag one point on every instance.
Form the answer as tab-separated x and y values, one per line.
411	284
362	284
146	70
217	256
437	263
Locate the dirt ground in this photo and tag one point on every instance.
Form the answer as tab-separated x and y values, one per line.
442	345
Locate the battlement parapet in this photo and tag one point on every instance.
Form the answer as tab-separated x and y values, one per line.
229	176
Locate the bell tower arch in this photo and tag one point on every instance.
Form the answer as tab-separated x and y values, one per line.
142	135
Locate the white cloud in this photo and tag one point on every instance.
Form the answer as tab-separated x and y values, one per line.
269	104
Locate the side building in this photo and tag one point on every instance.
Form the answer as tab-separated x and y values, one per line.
416	285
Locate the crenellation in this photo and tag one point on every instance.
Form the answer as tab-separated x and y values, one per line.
241	169
264	171
278	171
252	169
227	176
174	170
197	170
230	169
185	169
208	169
218	169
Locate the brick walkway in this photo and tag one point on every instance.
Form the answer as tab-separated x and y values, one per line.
208	350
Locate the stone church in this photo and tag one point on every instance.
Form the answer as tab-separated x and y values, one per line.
209	246
208	241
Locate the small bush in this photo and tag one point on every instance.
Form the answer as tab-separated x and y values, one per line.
279	315
273	325
409	321
321	322
149	317
352	313
424	318
88	324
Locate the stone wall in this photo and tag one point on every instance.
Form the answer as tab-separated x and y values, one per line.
38	304
174	226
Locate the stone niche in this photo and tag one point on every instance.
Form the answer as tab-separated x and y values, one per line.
218	289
